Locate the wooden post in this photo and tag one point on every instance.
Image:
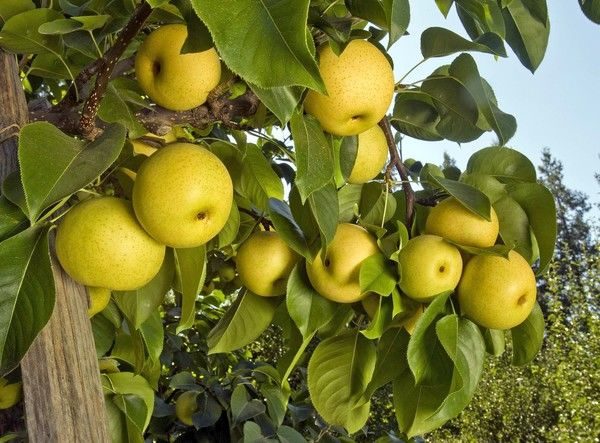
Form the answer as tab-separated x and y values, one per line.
63	395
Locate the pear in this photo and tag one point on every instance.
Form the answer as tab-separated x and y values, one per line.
98	300
360	87
171	79
335	273
99	243
496	292
264	263
185	406
182	195
371	155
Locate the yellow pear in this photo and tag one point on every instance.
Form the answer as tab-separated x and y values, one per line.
360	87
173	80
452	220
336	275
99	243
98	300
182	195
371	155
143	148
264	263
10	393
186	406
496	292
429	265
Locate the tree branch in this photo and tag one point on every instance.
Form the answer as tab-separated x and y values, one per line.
87	124
396	161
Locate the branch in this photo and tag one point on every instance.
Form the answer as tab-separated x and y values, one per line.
87	124
396	160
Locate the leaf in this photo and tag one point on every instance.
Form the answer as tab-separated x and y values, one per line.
153	335
591	9
190	269
20	33
59	27
12	190
26	293
125	383
505	164
8	8
242	408
538	203
440	42
494	341
282	101
289	435
415	115
470	197
346	155
139	304
68	164
229	232
135	411
338	374
444	6
514	226
528	337
265	42
465	69
526	34
486	15
381	320
306	307
398	17
286	226
92	22
376	276
377	204
314	156
243	322
259	182
391	358
119	104
12	219
324	207
209	411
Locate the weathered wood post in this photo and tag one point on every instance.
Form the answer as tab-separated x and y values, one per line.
63	395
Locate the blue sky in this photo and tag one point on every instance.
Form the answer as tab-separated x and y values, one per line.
557	107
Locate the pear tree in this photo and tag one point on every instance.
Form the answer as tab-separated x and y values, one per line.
217	173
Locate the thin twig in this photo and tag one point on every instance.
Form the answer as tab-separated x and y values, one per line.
396	161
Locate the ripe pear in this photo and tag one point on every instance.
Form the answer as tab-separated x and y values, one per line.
496	292
452	220
98	300
173	80
264	263
335	273
360	87
429	265
186	406
182	195
371	155
99	243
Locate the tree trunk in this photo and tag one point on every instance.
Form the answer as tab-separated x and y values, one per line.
61	383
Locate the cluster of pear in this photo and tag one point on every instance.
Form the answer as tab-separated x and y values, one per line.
493	291
182	198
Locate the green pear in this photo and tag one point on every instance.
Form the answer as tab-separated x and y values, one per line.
186	406
182	195
360	87
371	155
10	393
335	273
496	292
264	263
99	243
428	266
174	80
452	220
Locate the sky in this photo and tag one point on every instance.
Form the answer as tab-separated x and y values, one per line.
557	107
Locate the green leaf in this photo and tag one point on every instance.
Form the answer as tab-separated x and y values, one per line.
314	156
209	411
8	8
26	293
486	14
12	219
526	33
505	164
92	22
391	358
190	269
243	322
538	203
495	341
119	104
444	6
199	40
59	27
514	226
307	308
381	320
439	42
470	197
12	190
139	304
68	164
377	276
415	115
126	383
104	334
20	33
527	338
338	374
286	226
259	182
153	334
289	435
377	204
242	408
398	17
281	101
324	207
591	9
229	232
265	42
135	411
346	155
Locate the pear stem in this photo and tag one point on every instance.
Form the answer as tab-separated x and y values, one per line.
396	161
